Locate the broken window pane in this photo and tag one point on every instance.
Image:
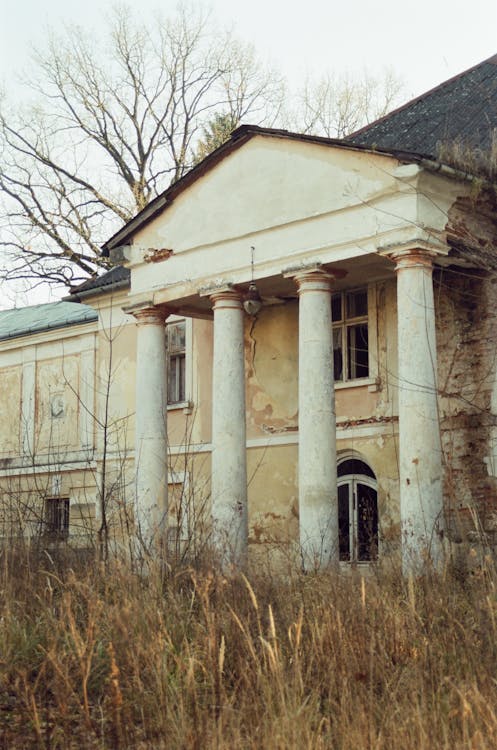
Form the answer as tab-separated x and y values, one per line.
337	354
357	512
344	522
357	303
336	307
367	523
350	341
56	516
357	350
176	336
176	360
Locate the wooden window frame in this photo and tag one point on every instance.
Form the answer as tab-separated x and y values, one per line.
177	362
345	324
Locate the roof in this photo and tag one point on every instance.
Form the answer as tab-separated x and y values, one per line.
238	137
117	278
25	320
464	108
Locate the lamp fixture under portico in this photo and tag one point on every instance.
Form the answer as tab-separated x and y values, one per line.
252	301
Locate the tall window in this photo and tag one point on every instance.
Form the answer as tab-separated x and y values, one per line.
357	511
56	517
349	312
176	358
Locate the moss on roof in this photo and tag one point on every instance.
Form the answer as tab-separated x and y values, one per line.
25	320
462	109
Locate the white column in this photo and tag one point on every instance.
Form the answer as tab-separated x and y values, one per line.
318	507
229	462
150	425
420	454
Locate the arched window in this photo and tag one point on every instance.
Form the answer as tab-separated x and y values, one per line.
357	511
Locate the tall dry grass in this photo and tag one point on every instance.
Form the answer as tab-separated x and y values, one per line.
96	657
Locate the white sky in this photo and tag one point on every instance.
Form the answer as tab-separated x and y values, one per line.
426	41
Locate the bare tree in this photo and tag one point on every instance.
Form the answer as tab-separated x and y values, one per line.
112	122
333	106
336	105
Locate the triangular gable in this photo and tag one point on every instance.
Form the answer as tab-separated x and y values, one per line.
268	184
239	139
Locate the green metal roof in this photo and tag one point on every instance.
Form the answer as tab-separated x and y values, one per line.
25	320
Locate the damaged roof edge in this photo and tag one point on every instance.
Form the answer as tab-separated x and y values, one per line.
113	280
104	289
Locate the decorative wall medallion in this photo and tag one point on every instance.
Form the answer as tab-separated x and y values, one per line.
57	406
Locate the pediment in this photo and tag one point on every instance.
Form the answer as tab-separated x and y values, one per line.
267	183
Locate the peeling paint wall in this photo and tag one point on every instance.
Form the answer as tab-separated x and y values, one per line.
271	371
10	423
366	418
47	433
57	407
115	381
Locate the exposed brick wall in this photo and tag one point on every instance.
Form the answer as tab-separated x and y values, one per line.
466	312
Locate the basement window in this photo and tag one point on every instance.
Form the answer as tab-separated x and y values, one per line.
349	311
56	517
176	362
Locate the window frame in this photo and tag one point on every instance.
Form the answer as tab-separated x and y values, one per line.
187	368
352	481
56	517
347	322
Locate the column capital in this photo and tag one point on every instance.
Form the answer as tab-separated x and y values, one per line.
146	313
314	278
417	252
414	257
225	295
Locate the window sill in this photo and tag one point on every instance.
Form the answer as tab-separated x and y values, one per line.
186	406
372	383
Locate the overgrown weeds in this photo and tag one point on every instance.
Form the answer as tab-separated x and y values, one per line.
94	656
467	157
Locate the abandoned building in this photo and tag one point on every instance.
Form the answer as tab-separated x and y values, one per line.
294	355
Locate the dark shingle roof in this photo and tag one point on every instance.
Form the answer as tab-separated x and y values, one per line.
117	278
25	320
464	108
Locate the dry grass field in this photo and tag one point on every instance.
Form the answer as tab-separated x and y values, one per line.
99	657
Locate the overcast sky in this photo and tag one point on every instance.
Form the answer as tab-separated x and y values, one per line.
426	41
